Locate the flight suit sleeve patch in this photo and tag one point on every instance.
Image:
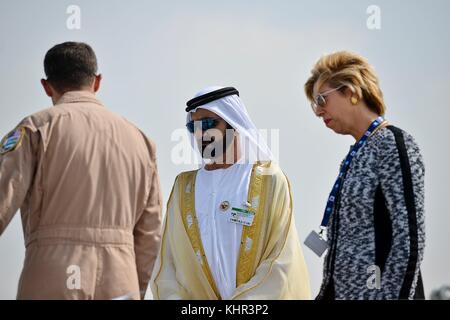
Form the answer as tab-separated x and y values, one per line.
12	140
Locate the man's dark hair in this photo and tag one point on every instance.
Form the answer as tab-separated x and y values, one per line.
70	66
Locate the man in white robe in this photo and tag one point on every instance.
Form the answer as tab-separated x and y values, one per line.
229	229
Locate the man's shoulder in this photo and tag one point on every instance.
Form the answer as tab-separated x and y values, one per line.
41	118
272	171
186	175
268	170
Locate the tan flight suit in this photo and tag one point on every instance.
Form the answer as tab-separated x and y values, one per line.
87	186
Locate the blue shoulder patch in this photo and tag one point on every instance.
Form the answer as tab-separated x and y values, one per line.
12	140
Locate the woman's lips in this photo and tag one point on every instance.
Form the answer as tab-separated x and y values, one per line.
327	121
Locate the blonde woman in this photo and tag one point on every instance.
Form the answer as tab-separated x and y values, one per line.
374	216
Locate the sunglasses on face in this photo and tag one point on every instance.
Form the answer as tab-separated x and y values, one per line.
205	124
320	100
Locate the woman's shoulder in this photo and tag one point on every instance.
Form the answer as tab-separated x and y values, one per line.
389	139
391	135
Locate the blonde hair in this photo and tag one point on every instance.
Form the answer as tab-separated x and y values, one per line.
350	70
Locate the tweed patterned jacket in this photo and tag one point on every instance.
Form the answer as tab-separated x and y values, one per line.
376	234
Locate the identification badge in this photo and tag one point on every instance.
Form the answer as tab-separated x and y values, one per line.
241	216
316	243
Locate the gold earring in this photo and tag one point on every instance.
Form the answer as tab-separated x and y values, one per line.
354	100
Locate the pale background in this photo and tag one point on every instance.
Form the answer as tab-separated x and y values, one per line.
155	55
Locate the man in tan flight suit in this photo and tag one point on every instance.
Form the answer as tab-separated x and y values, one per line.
87	186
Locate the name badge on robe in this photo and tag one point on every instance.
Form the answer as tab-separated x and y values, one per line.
241	216
316	243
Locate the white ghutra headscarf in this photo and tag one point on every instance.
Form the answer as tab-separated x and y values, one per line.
231	109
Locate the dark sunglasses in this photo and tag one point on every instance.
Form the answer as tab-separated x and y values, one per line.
206	124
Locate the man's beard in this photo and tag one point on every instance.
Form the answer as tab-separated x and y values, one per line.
215	149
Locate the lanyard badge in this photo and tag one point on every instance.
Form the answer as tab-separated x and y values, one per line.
241	216
315	240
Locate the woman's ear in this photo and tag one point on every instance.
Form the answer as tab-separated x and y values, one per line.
348	92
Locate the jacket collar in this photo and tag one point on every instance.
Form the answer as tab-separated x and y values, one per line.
78	96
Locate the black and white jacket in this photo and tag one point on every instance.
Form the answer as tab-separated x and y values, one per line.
376	234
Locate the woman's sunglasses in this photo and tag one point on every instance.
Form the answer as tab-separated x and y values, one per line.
320	100
204	124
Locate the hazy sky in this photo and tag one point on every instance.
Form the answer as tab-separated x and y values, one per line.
155	55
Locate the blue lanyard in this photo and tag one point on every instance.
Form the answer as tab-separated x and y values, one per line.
336	188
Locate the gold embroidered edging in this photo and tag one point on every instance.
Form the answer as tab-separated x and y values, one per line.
187	205
278	255
162	250
246	263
